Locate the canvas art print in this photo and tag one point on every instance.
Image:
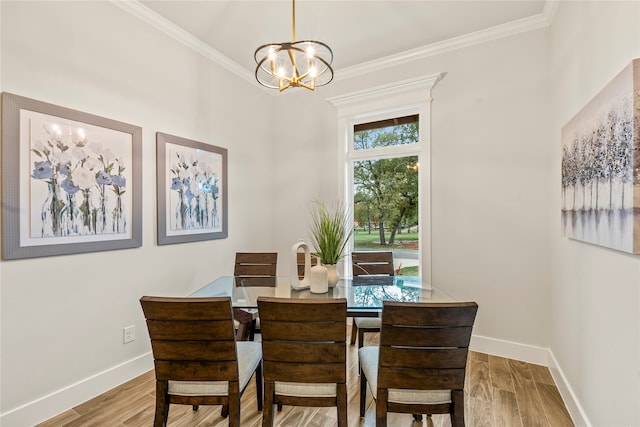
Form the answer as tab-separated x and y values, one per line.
78	181
601	166
70	181
192	197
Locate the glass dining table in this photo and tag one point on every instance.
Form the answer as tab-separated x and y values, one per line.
364	295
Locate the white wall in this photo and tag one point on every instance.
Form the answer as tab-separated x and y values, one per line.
595	291
62	317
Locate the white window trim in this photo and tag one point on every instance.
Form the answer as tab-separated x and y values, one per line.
393	100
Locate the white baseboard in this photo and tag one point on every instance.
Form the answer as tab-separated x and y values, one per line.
573	405
61	400
509	349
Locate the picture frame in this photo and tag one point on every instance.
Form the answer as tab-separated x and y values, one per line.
71	181
600	186
192	190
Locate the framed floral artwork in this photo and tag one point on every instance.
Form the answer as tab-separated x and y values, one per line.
192	190
71	181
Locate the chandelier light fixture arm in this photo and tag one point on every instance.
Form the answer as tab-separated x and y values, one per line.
304	63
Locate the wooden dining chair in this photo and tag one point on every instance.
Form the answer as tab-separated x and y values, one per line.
369	263
252	265
304	354
419	365
197	359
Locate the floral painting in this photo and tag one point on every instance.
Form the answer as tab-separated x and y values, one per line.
601	167
78	181
70	181
192	190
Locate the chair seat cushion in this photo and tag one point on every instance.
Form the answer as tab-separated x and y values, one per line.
368	322
368	357
249	356
305	389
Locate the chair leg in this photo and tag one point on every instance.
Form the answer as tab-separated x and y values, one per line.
252	331
259	386
417	417
381	407
234	408
195	407
341	395
457	404
363	394
162	404
360	338
224	412
267	409
354	331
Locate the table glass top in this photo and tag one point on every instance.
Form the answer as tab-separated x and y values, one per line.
363	294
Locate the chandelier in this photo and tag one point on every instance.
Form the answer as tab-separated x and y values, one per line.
304	63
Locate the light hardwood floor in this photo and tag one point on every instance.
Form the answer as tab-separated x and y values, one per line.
499	392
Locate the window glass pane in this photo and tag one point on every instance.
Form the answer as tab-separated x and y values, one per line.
385	200
385	133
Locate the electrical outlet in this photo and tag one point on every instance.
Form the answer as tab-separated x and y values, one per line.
129	334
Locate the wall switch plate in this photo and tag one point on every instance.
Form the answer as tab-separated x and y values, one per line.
129	334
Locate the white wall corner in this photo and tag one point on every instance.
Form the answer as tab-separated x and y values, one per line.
574	407
59	401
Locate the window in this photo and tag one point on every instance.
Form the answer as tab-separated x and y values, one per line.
385	134
385	192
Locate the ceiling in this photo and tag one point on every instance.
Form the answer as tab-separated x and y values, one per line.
357	31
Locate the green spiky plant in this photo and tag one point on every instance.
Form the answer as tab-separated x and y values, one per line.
330	231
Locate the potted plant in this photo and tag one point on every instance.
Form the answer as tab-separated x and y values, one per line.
330	233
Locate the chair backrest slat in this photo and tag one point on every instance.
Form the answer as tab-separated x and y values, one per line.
455	336
293	352
277	330
303	310
194	350
372	263
425	345
304	372
255	264
422	379
184	370
211	330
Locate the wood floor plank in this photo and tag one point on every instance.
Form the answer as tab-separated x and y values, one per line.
479	380
530	406
541	374
521	374
481	413
534	401
500	373
554	406
505	408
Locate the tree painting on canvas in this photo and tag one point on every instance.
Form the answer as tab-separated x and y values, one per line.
601	167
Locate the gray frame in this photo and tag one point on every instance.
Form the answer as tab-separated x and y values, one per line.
163	173
13	213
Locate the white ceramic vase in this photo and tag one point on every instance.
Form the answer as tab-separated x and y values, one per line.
332	274
319	279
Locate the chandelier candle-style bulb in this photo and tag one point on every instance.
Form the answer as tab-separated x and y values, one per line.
304	63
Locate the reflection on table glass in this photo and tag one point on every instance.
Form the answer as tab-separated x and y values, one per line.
370	292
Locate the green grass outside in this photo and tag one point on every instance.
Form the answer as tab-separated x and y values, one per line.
364	240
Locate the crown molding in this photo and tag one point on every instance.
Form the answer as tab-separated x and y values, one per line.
541	20
531	23
384	91
142	12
